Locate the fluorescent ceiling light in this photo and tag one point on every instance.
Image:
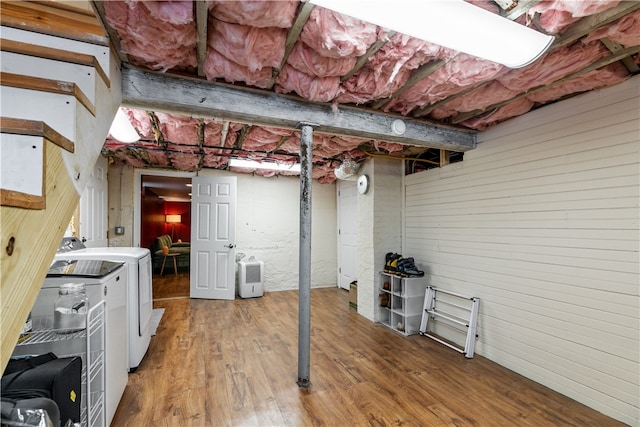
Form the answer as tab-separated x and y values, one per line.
251	164
455	24
122	130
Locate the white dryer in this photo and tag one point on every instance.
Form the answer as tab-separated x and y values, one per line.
140	294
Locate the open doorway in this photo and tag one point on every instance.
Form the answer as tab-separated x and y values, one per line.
165	228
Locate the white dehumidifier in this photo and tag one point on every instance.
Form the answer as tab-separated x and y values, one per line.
250	278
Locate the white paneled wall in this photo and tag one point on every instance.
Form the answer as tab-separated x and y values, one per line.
541	221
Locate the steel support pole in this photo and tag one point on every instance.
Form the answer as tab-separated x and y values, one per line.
304	294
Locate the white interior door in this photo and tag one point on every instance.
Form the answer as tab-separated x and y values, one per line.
213	222
93	207
347	233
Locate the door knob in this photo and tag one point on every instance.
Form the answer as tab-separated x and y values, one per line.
230	246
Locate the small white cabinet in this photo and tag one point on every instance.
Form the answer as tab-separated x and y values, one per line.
401	302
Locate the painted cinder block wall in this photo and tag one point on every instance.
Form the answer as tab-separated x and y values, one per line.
379	228
267	225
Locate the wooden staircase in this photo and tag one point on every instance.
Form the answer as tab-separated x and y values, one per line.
60	89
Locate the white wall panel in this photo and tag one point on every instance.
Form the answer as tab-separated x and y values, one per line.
542	222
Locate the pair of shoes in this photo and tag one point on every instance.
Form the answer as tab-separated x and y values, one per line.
391	262
407	267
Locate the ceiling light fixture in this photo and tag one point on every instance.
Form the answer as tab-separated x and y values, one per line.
252	164
122	130
455	24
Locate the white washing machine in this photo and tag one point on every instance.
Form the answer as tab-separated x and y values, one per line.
104	280
140	295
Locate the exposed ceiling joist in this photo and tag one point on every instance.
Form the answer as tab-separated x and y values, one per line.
617	56
206	99
368	54
202	19
582	28
421	73
590	23
292	37
628	62
520	9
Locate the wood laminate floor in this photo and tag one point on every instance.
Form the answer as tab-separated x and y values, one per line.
234	363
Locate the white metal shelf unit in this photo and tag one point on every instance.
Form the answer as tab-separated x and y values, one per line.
446	310
89	344
406	296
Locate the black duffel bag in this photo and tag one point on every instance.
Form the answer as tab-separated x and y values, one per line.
48	376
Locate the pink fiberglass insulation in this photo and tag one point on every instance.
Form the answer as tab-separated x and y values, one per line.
369	84
217	66
213	160
512	109
390	147
131	159
625	31
264	138
212	133
262	14
292	144
154	34
461	72
389	68
402	51
158	157
555	65
347	142
252	47
173	12
557	15
140	155
182	158
478	99
140	120
310	62
337	36
178	129
612	74
327	146
314	89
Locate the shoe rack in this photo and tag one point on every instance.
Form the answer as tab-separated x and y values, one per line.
401	302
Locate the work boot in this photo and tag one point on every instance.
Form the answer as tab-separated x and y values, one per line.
409	269
391	265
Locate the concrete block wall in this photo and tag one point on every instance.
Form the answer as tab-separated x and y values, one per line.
267	224
380	214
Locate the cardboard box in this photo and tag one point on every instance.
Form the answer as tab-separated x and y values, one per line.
353	295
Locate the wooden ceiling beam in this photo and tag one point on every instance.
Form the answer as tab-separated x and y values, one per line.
201	126
181	95
292	37
628	62
202	22
418	75
368	54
